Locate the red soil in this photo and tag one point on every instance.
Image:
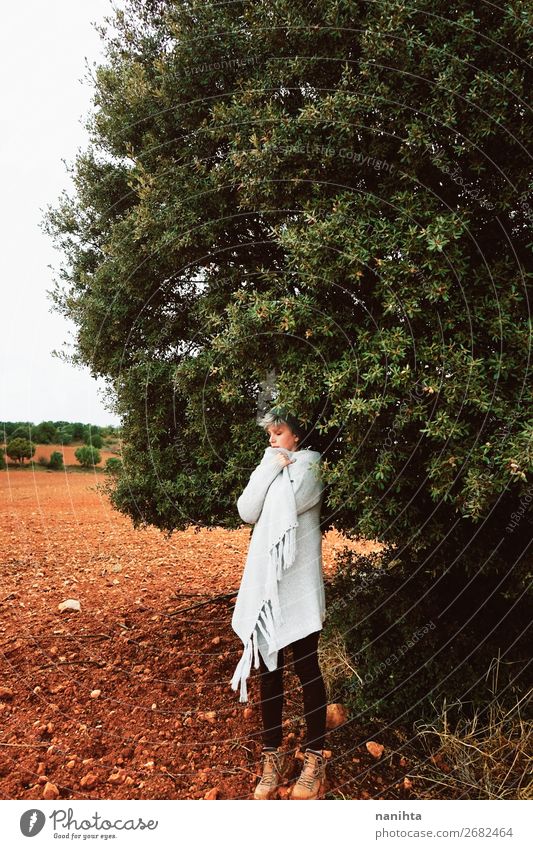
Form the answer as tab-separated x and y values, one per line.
68	454
146	734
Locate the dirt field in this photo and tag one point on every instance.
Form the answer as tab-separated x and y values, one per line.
67	451
123	700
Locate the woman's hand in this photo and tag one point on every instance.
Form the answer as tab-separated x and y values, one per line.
283	460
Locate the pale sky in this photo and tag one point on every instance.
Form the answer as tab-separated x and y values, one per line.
45	101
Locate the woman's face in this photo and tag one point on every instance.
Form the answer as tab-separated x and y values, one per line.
281	436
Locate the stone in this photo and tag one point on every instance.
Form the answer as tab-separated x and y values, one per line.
69	604
375	749
50	791
336	715
90	780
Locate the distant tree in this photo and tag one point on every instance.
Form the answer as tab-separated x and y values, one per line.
45	433
19	448
3	464
64	436
87	456
95	440
56	460
21	430
78	430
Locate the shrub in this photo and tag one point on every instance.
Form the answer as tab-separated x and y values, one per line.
113	465
20	448
56	460
87	456
413	638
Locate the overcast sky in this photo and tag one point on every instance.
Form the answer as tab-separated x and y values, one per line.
45	101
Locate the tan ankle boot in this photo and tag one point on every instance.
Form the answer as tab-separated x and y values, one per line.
273	769
311	783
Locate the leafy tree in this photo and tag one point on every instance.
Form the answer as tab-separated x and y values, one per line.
93	437
45	432
340	193
78	430
22	430
87	456
64	436
19	449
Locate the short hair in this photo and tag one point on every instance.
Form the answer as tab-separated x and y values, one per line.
279	415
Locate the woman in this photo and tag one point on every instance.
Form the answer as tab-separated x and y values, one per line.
281	600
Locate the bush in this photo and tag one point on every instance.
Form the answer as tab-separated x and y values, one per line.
3	464
113	465
56	460
92	437
414	639
87	456
19	448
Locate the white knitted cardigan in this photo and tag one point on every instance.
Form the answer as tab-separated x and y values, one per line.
274	608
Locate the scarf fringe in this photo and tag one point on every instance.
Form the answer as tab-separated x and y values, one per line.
284	551
281	556
244	666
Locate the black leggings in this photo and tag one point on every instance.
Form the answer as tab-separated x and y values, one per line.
304	653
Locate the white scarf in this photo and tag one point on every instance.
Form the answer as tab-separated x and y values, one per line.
280	519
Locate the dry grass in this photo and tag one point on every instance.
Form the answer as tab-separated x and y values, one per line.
487	756
335	663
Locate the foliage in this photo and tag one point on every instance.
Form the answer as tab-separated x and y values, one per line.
340	192
56	460
50	432
64	436
87	456
113	465
409	635
20	449
93	437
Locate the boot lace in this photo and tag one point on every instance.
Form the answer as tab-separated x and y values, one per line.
312	769
271	769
